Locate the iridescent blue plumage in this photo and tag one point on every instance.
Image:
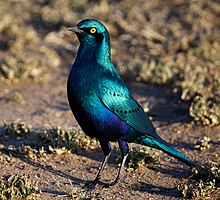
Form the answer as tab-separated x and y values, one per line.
100	101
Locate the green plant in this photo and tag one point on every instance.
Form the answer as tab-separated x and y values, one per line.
205	180
17	128
141	156
16	186
62	139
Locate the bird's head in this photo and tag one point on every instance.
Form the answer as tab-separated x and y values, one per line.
90	33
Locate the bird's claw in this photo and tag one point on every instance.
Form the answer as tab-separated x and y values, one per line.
110	184
104	184
93	182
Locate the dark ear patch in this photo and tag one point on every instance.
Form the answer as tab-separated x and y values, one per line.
99	37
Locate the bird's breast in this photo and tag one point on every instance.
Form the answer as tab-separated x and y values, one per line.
95	119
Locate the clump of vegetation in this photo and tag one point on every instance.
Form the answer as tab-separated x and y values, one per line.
203	144
56	140
141	156
206	109
25	51
197	189
17	128
30	152
16	186
59	140
16	97
206	180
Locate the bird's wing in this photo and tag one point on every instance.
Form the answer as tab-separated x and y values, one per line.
127	109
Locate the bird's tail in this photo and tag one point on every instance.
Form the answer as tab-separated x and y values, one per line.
162	145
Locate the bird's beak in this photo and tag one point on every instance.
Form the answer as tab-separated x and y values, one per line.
75	29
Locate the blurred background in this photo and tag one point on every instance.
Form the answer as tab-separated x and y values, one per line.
169	42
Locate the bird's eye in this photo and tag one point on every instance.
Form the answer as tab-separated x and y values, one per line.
92	30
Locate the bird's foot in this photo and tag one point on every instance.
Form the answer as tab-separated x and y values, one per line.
203	172
93	182
109	184
102	183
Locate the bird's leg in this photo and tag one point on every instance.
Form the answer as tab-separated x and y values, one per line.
98	177
124	151
120	171
106	147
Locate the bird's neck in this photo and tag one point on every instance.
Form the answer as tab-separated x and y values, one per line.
99	54
102	54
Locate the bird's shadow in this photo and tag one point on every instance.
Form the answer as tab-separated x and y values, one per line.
60	105
173	171
16	154
153	189
164	105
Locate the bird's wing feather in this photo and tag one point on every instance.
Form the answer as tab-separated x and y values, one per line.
127	109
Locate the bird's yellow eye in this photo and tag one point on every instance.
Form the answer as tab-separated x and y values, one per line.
92	30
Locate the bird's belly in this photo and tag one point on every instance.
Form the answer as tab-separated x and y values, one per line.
97	121
110	125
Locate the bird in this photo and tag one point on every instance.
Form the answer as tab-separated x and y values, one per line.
103	105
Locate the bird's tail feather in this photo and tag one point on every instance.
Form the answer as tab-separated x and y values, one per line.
162	145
